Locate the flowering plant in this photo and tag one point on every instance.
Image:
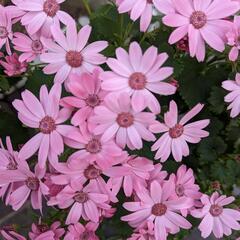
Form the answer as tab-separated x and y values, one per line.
119	128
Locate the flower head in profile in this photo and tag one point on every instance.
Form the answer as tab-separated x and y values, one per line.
70	53
216	217
140	75
176	133
203	21
234	96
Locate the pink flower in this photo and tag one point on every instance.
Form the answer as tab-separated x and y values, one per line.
40	15
43	231
216	218
14	12
144	233
157	174
70	54
13	67
203	22
234	96
31	46
164	6
9	233
118	119
79	231
177	134
45	116
88	94
139	75
154	205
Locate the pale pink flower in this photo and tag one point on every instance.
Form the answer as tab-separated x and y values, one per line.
43	231
154	205
118	119
203	21
164	6
87	94
13	66
31	46
45	116
145	232
176	133
70	54
40	15
9	233
216	218
139	75
14	12
157	174
79	231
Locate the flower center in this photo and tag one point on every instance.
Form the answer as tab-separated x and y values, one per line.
179	190
12	166
216	210
74	59
81	197
198	19
94	146
125	120
32	183
137	81
50	7
3	32
91	172
47	125
149	1
43	227
92	100
176	131
37	46
159	209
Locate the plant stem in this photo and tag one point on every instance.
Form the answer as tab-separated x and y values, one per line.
86	5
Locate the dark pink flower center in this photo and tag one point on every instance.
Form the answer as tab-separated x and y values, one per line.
125	120
3	32
50	7
149	1
81	197
159	209
179	190
47	125
216	210
32	183
92	100
94	146
43	227
74	59
198	19
176	131
12	165
91	172
137	81
37	46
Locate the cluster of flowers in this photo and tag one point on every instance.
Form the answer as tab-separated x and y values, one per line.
107	111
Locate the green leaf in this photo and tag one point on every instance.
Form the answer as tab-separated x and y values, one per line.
4	85
216	100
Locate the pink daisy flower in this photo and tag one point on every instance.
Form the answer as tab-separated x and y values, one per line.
40	15
45	116
177	134
216	218
155	206
157	174
87	94
13	66
139	75
31	46
9	233
118	119
144	233
203	22
70	54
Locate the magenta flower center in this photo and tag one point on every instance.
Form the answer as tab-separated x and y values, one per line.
37	46
91	172
176	131
94	146
216	210
92	100
12	165
50	7
47	125
179	190
149	1
74	59
159	209
198	19
3	32
125	120
43	227
81	197
32	183
137	81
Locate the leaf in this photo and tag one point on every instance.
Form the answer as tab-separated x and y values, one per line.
216	100
4	84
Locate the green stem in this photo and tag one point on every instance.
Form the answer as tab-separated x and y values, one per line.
86	5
